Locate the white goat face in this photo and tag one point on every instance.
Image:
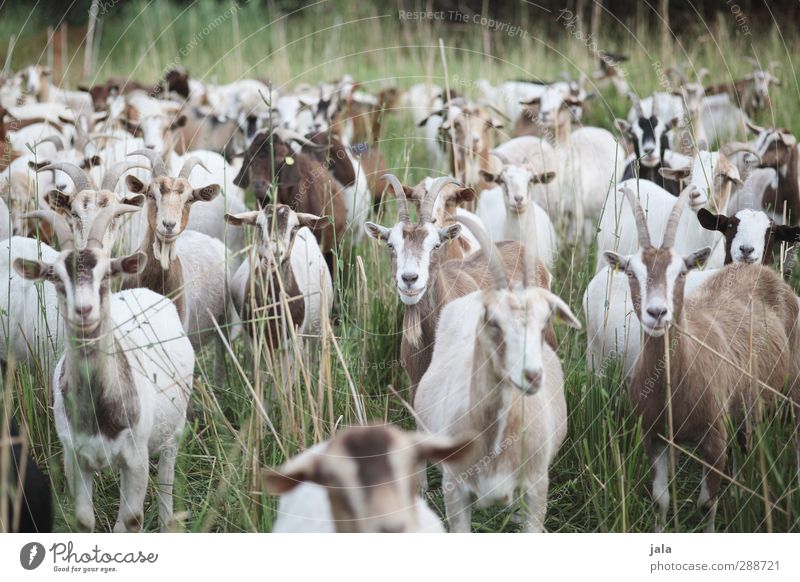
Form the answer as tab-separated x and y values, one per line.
414	248
657	277
748	245
153	128
513	329
550	104
704	166
277	230
82	279
761	81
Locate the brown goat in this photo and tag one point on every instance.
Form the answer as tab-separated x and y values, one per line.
743	318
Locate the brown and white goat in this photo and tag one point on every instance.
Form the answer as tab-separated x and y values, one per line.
689	379
426	281
360	480
184	265
751	92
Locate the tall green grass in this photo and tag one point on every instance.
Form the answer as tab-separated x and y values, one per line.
600	480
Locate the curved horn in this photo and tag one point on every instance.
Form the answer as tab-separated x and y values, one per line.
638	213
78	176
99	227
53	139
400	194
496	268
290	135
675	71
189	165
675	217
112	176
501	156
156	162
429	199
60	227
637	104
735	147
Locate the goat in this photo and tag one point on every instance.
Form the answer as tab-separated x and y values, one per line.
302	182
751	92
503	209
288	263
649	136
26	499
466	128
749	234
184	265
121	389
425	281
778	150
552	113
701	387
492	374
610	72
154	120
360	480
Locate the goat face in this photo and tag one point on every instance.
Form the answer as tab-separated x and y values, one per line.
169	202
512	332
277	226
711	175
81	210
370	475
749	234
82	279
266	151
517	183
760	81
657	277
471	125
649	138
414	248
33	78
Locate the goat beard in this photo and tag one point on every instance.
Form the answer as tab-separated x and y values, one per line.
412	325
165	252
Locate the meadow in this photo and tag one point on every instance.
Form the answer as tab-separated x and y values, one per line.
600	480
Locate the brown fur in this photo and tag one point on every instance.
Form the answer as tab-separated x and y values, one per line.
783	159
706	390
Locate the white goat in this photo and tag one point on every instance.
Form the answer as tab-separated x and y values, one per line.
121	389
493	375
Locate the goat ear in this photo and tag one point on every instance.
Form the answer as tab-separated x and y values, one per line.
488	175
676	174
439	448
623	126
243	218
711	221
786	233
616	261
206	193
561	311
59	201
376	231
544	178
698	258
134	184
135	200
313	221
496	123
297	470
32	270
674	122
242	179
449	232
130	265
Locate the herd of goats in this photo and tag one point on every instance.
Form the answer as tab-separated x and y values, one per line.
142	188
